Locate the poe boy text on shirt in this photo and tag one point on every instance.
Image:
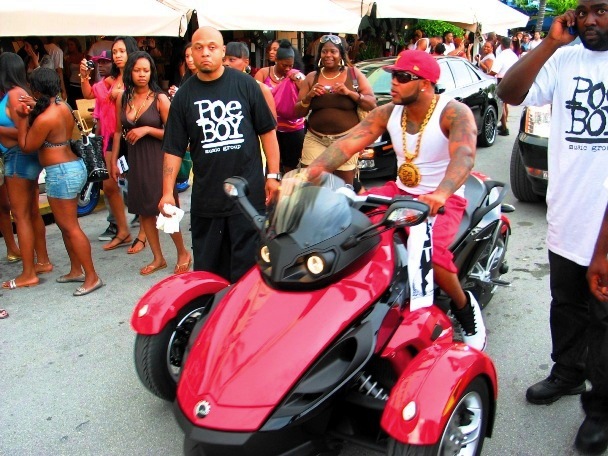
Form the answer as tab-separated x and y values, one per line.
589	113
220	124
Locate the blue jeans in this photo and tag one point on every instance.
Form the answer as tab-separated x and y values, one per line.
19	164
65	180
579	333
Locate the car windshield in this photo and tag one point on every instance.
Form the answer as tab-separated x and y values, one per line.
309	213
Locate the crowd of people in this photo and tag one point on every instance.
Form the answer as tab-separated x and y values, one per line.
225	118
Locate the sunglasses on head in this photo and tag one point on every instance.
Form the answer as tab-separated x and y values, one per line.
403	78
333	38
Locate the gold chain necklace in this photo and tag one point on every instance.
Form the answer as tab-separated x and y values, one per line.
131	105
408	173
275	75
333	77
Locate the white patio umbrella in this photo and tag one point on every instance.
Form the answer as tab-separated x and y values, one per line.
80	18
493	15
310	16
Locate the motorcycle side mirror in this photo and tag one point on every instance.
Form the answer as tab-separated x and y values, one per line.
405	213
236	187
439	88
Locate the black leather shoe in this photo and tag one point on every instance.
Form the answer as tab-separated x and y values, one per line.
592	436
551	389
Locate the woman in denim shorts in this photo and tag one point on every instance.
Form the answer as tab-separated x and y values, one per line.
22	172
48	127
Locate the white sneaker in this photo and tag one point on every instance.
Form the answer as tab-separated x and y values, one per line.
477	339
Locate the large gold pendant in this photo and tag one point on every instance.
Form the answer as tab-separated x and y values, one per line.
409	174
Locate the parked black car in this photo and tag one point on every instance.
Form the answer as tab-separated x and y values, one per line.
459	79
528	172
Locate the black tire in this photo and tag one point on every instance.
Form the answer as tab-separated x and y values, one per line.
489	127
520	184
158	358
475	397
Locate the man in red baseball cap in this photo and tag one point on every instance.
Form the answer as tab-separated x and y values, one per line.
434	138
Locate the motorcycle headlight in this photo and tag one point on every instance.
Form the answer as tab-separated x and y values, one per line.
538	120
265	254
315	264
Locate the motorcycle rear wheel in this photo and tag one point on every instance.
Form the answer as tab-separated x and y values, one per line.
489	266
159	358
468	421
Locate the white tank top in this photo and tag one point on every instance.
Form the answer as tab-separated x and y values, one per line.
434	156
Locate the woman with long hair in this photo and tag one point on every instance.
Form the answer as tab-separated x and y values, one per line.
21	176
333	94
190	69
106	93
48	127
141	115
35	55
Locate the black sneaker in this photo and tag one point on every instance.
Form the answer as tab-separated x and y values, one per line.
503	131
109	233
551	389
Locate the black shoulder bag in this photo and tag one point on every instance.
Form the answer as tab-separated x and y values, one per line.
90	149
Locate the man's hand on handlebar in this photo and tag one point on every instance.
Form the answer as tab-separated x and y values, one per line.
436	202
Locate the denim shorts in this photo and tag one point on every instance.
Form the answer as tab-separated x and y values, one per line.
19	164
65	180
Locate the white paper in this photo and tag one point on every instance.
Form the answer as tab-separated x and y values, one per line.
169	224
419	266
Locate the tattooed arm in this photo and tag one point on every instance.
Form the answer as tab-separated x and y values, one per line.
458	123
361	136
171	164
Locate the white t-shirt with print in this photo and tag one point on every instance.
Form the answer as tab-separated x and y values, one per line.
575	81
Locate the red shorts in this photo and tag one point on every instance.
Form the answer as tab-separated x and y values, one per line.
445	226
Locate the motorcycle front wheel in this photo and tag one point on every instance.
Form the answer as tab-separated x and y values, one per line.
464	432
159	358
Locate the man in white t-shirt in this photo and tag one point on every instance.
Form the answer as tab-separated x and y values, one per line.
448	42
57	57
503	61
535	41
573	79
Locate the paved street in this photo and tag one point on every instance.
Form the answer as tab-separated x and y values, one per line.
68	385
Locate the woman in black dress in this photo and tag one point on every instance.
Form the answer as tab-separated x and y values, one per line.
141	115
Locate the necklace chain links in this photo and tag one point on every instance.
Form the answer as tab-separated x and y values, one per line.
409	157
330	78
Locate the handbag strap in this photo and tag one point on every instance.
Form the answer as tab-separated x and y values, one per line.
353	77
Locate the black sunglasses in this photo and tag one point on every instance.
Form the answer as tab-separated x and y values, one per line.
403	78
333	38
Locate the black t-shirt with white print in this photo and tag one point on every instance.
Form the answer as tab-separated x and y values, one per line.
220	120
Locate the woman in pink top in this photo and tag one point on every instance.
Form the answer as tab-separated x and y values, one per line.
106	92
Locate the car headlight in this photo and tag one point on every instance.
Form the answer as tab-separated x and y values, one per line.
265	254
315	264
538	120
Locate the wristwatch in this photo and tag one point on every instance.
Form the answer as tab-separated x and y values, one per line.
276	176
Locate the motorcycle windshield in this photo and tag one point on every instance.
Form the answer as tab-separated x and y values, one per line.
309	213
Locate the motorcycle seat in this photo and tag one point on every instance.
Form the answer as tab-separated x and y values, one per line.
475	192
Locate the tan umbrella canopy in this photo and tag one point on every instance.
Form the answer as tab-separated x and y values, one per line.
81	18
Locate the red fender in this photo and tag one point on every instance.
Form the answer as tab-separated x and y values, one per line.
163	301
434	381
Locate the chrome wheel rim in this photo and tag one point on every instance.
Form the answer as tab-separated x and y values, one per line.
463	431
179	341
490	126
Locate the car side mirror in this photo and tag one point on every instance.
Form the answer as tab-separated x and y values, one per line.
439	88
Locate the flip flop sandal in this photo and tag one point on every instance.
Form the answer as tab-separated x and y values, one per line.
147	270
182	268
122	242
81	291
12	285
66	279
132	250
13	258
3	314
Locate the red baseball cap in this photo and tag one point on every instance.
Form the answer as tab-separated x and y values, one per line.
419	63
105	55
